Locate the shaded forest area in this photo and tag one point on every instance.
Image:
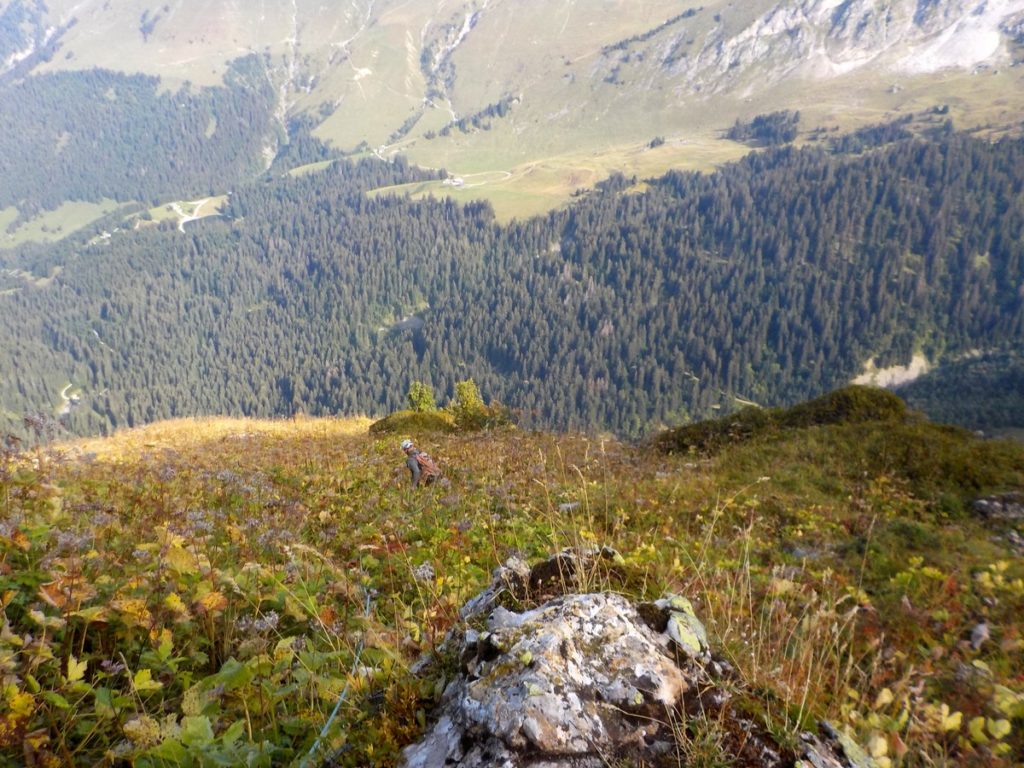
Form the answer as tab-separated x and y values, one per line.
771	281
770	130
94	134
980	391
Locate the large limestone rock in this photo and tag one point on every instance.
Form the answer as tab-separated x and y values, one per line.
583	680
578	679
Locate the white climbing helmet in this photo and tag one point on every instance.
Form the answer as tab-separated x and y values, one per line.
406	445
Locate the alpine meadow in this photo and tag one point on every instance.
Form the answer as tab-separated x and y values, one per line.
576	384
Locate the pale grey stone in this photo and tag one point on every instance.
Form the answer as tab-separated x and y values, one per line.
568	677
583	678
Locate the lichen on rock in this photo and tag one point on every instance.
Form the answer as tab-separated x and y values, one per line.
585	679
581	677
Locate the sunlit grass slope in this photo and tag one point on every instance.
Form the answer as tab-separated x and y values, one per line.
205	592
52	225
536	187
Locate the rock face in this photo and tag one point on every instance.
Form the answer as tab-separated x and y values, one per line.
1002	512
583	680
826	38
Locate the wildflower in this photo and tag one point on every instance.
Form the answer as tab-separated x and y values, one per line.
102	519
259	482
111	667
199	521
424	572
267	623
269	538
70	541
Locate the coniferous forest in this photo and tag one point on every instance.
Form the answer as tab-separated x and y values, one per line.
769	281
95	133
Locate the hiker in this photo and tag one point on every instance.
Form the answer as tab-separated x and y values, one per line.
421	466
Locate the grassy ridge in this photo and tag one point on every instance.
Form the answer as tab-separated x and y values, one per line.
201	591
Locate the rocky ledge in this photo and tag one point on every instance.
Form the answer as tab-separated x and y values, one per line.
584	679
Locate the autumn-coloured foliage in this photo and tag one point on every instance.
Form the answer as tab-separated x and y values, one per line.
207	592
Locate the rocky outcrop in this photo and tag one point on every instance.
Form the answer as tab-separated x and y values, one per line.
1002	512
577	680
585	679
1007	506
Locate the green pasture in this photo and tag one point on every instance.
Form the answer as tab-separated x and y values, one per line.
536	187
186	210
51	226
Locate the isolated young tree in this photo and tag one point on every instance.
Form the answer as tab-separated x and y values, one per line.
421	397
468	406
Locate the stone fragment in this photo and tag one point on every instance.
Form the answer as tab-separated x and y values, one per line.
512	577
683	626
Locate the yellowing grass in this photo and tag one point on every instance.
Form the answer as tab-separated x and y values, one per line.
194	435
536	187
184	211
305	170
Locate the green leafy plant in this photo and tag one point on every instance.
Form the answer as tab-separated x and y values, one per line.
421	398
470	412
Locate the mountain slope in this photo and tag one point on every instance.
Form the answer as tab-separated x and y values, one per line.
203	592
493	85
771	280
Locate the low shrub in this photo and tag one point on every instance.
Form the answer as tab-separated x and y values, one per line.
414	423
849	405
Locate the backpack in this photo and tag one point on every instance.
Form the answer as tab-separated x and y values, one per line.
428	469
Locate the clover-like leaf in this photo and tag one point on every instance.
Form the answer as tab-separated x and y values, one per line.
196	731
976	730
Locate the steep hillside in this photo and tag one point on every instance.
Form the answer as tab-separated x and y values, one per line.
96	134
979	391
206	592
769	281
